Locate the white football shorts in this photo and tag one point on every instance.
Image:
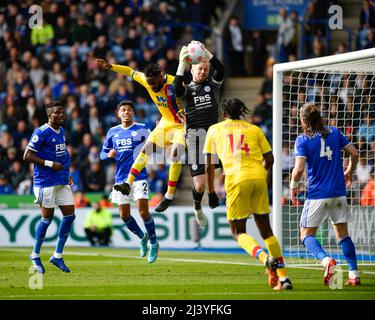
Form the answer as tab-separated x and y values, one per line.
138	190
50	197
316	211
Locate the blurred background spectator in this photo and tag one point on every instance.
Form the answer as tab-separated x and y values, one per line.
99	226
236	44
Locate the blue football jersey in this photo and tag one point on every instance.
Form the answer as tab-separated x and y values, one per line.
128	143
324	164
49	144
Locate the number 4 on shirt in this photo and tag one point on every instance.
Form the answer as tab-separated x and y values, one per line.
325	151
240	145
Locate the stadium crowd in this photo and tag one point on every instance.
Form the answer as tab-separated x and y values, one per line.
58	61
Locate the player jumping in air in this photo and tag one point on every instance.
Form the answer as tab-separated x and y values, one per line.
246	156
319	148
52	183
169	131
123	143
200	111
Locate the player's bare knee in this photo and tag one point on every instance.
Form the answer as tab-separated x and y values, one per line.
125	216
305	232
145	214
124	213
199	187
235	235
341	231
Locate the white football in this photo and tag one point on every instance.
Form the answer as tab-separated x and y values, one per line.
196	53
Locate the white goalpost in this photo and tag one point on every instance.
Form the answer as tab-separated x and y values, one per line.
343	87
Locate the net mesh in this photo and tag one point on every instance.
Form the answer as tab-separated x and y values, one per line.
345	94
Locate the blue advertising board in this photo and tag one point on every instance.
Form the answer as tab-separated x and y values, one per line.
263	14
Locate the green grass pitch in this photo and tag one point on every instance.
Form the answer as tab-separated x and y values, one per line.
112	273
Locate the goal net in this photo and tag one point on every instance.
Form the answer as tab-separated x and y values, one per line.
343	87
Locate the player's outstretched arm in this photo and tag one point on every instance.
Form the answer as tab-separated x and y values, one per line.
353	160
179	88
218	67
124	70
30	156
103	64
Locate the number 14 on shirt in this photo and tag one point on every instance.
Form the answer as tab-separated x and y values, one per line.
241	145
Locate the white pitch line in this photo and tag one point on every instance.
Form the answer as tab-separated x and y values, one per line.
208	261
170	294
111	255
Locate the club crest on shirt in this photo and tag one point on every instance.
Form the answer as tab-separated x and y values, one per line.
169	92
134	133
207	88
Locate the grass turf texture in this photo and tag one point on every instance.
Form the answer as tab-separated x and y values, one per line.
109	273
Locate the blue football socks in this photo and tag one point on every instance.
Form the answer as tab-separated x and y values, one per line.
314	247
150	227
134	227
41	233
348	249
63	232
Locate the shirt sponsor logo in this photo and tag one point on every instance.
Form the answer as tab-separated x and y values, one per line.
162	102
60	149
124	144
161	99
202	100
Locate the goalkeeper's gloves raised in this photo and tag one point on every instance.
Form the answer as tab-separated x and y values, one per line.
184	53
213	200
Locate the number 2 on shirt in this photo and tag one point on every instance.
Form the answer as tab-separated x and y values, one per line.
234	148
325	151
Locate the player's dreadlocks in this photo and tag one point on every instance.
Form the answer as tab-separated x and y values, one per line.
152	70
234	108
313	120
